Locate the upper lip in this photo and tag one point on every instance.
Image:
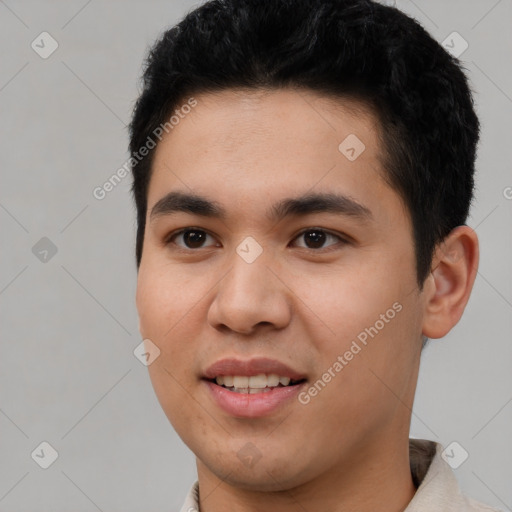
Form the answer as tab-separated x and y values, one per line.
255	366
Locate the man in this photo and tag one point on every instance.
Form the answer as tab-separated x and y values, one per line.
303	176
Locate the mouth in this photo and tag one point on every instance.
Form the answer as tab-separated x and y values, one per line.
261	383
254	388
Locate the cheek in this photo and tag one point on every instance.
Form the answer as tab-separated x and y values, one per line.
163	298
367	316
164	308
343	302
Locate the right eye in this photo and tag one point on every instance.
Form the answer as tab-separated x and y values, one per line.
192	238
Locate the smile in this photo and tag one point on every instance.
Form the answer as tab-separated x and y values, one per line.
261	383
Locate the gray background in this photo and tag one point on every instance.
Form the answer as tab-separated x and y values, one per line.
68	374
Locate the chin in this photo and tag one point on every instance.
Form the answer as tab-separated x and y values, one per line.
261	474
261	480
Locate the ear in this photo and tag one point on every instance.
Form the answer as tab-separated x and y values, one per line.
448	287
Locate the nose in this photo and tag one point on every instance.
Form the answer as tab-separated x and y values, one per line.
251	296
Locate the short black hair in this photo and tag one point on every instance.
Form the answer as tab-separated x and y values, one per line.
346	49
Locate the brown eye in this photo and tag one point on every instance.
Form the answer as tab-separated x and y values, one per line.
191	238
315	238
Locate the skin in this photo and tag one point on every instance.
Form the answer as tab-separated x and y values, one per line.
347	449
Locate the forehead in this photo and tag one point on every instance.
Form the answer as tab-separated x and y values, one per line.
269	120
244	147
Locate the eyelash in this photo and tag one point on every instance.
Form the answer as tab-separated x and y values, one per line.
344	241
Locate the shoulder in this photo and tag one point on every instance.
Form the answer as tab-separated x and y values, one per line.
437	486
475	506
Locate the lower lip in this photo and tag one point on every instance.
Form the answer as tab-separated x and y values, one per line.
246	405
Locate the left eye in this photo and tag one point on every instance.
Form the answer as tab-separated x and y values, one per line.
315	238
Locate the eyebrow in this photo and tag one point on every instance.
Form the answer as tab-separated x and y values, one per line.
295	206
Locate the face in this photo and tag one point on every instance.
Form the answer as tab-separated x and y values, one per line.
295	259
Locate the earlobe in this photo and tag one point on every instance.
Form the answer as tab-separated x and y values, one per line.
453	274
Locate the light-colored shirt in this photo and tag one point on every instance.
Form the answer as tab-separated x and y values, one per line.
437	488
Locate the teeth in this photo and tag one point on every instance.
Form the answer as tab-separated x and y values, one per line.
258	381
249	391
272	380
284	381
253	384
241	382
